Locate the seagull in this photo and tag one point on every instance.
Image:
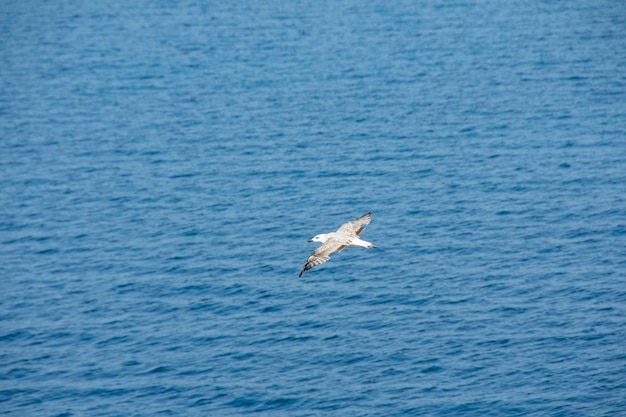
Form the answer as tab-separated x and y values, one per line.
347	236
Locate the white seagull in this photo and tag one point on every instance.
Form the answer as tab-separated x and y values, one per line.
347	236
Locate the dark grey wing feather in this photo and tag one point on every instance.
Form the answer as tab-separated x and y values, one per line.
313	261
321	254
354	227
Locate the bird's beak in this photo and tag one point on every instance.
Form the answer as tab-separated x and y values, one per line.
310	240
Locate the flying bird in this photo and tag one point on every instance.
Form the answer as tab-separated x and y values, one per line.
347	236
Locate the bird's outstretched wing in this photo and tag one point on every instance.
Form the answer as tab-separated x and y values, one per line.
355	227
321	254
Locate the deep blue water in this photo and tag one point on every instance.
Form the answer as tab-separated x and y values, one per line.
162	164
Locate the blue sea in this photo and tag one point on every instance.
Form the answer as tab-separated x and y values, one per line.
163	164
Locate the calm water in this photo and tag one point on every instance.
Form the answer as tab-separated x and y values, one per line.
162	164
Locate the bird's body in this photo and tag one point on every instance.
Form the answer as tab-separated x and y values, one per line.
347	236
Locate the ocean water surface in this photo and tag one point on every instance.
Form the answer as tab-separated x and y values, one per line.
163	163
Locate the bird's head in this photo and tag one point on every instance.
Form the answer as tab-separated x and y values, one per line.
319	238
